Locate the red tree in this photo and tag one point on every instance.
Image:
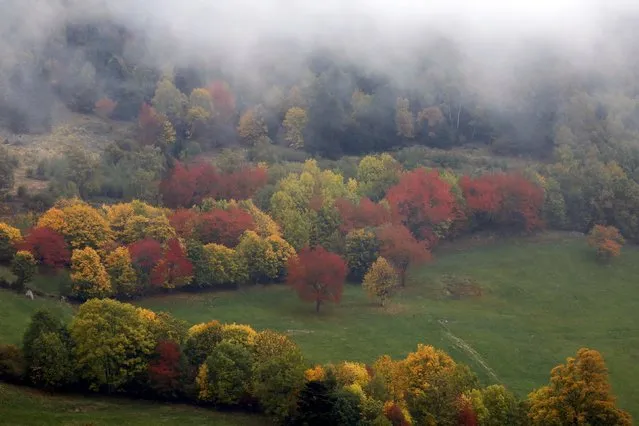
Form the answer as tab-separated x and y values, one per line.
149	125
364	214
506	199
467	415
178	188
422	200
207	182
184	221
400	247
165	370
145	254
243	184
224	226
47	246
317	275
223	99
175	269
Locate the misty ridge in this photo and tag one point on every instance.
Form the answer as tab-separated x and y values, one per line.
497	70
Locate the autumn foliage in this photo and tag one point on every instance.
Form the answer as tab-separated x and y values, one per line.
607	240
421	201
401	249
165	370
105	107
363	214
150	124
224	226
190	184
47	246
145	254
505	199
174	269
317	275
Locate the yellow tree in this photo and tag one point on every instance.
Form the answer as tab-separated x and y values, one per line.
381	280
9	237
81	224
118	216
579	394
121	271
404	119
113	343
225	265
294	124
258	254
90	278
168	99
252	127
377	173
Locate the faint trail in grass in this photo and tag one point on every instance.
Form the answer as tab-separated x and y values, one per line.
469	350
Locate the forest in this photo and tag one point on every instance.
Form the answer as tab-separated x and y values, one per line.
139	160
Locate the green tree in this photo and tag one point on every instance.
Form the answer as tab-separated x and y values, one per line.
168	100
52	364
113	343
24	267
225	266
201	339
381	280
377	173
225	377
42	321
579	393
259	257
277	381
496	406
294	124
404	119
362	249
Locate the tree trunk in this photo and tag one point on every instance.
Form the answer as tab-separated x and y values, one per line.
317	305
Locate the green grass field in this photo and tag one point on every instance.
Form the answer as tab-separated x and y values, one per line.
22	406
542	301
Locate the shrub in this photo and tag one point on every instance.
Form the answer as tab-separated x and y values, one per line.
11	363
606	240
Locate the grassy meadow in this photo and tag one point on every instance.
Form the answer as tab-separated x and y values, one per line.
542	300
23	406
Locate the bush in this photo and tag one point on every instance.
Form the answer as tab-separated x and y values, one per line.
607	240
11	363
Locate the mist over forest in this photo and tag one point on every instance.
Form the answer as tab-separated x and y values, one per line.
507	72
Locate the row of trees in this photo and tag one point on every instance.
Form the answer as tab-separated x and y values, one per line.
117	348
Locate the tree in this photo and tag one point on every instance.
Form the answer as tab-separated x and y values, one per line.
168	100
166	369
150	125
174	270
317	275
381	280
224	226
51	365
104	107
225	377
294	124
258	255
252	128
8	164
399	246
200	341
83	171
507	199
124	280
606	240
223	100
579	393
362	249
224	266
184	222
404	119
89	277
495	406
24	266
113	343
145	255
363	214
278	377
47	246
9	238
42	322
178	188
422	201
376	174
82	226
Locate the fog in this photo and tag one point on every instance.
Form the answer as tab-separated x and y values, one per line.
494	39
